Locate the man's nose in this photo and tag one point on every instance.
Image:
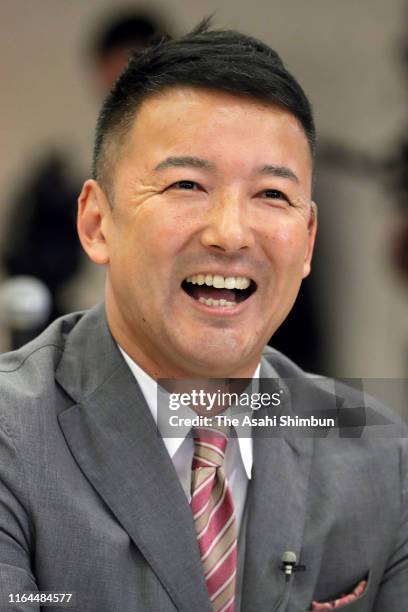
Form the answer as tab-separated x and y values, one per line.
227	226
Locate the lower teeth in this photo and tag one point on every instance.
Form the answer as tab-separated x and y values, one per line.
211	302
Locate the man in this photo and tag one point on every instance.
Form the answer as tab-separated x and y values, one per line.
200	208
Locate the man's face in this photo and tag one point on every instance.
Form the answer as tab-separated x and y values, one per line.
210	234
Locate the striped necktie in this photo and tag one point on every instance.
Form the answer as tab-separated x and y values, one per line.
214	517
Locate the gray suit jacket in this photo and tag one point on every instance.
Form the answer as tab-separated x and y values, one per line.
90	502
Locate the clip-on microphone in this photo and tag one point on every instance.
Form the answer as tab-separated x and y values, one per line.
288	567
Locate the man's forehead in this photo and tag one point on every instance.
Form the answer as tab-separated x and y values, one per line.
176	98
183	112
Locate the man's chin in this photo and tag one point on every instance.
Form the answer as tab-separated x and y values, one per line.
216	363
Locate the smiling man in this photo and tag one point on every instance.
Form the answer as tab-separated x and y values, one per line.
201	210
207	230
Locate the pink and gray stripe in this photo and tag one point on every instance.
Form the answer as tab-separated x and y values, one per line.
214	518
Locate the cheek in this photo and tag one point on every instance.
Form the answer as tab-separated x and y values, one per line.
145	247
287	246
168	231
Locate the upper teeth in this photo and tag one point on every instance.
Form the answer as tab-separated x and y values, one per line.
220	282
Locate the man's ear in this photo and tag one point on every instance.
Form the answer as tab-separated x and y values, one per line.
93	216
312	229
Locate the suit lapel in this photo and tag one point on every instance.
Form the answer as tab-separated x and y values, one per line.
113	437
276	505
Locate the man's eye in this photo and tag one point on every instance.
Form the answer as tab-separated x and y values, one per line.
189	185
274	194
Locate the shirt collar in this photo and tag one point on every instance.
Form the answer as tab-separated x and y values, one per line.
148	387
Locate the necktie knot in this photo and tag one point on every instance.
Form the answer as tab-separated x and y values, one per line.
209	447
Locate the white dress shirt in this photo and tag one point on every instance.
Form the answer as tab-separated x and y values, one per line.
238	455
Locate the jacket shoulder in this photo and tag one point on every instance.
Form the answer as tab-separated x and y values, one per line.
353	400
276	363
27	375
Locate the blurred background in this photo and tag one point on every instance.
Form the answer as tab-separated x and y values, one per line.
58	57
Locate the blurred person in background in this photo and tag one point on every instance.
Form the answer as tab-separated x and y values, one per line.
41	238
400	183
400	236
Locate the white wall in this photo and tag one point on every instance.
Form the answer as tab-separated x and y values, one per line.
345	55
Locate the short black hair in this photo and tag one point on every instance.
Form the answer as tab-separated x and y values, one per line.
223	60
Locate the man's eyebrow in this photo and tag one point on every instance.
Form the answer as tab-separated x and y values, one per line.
188	161
185	161
280	171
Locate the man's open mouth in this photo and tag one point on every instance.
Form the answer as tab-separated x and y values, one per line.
220	291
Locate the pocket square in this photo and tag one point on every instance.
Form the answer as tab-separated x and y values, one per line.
343	600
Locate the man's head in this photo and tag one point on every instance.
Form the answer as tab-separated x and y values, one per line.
201	207
222	60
